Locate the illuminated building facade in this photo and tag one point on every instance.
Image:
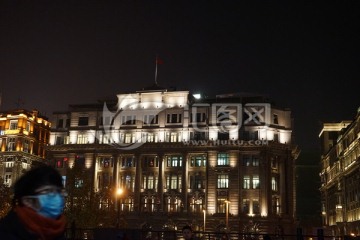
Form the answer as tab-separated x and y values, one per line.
340	177
23	137
226	163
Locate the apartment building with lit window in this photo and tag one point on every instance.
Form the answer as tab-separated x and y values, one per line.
23	137
226	162
340	177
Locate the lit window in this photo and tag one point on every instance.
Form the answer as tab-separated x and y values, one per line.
221	205
223	159
255	182
250	160
223	181
149	182
150	137
148	204
11	144
198	161
129	138
174	161
246	184
173	137
27	126
7	179
13	124
274	184
173	204
128	181
196	204
255	161
82	139
26	147
173	181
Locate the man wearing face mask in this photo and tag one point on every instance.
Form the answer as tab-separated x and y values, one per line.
38	203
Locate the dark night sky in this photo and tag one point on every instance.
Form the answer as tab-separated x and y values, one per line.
304	56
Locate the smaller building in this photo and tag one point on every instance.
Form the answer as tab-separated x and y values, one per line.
340	177
23	137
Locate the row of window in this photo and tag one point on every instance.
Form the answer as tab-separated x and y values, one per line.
11	144
195	205
223	159
149	119
14	125
149	137
174	181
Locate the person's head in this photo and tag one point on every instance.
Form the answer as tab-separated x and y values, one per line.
42	190
187	232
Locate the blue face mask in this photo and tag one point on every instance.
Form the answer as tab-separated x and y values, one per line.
51	205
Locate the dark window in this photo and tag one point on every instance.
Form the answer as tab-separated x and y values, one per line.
197	136
60	123
67	123
223	136
83	121
59	140
80	161
276	119
173	118
197	182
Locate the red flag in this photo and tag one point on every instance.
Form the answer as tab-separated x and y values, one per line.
159	61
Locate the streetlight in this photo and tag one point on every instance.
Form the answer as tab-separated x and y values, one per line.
227	214
119	192
204	220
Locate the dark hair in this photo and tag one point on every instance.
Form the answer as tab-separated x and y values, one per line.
187	227
35	178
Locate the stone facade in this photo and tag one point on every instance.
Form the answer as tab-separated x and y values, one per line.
226	162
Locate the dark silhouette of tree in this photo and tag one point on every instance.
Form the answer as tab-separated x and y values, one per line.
87	208
5	198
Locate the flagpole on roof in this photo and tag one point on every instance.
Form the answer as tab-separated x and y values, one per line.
157	62
156	67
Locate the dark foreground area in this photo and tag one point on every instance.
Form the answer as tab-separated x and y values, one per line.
137	234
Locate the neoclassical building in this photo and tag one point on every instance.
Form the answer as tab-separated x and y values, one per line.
225	162
340	177
23	137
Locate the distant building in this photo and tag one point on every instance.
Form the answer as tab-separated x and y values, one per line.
23	137
181	159
340	177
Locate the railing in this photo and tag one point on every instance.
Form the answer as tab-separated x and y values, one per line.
136	234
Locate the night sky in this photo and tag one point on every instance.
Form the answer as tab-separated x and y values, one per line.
304	56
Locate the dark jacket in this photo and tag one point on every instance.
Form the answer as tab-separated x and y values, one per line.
12	229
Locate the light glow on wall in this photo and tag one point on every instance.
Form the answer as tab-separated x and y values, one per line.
284	136
91	136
